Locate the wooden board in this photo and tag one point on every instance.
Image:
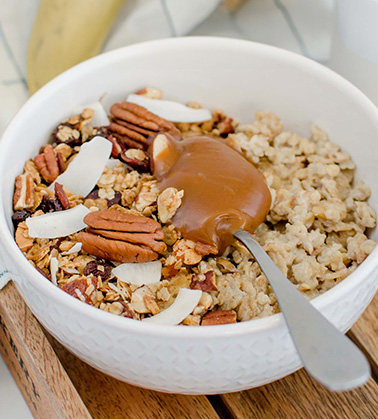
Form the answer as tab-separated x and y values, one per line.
365	334
56	384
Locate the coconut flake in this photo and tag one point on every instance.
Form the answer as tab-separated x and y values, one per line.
99	118
54	267
138	273
186	301
171	111
70	270
117	290
114	288
58	224
86	168
75	248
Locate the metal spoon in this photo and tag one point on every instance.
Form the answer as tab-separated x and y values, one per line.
327	355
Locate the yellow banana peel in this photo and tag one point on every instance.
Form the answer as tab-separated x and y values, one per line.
66	32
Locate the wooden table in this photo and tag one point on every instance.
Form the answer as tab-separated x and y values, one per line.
56	384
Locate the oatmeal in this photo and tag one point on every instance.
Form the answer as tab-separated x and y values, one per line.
120	250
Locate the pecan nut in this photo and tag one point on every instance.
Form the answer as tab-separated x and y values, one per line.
218	317
61	196
23	197
122	237
204	282
134	126
47	164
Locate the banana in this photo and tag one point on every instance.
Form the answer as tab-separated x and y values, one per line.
66	32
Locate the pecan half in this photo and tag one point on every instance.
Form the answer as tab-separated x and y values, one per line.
133	125
23	197
218	317
47	164
61	196
122	237
61	163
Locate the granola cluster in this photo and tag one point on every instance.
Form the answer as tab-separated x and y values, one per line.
315	231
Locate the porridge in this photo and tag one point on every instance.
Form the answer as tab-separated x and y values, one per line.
92	215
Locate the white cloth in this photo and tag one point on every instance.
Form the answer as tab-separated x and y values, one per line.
301	26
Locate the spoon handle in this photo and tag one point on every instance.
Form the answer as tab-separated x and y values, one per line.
329	356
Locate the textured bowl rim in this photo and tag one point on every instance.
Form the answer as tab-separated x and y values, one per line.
243	328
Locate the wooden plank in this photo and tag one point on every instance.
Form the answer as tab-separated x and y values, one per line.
365	333
299	396
56	384
41	378
107	398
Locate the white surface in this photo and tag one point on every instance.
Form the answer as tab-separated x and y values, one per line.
354	50
12	405
356	23
195	360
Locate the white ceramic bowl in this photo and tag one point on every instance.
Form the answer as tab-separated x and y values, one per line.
240	77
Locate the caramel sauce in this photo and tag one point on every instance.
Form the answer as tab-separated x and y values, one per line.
223	192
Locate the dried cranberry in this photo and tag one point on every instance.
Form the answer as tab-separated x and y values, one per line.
98	268
50	204
20	216
116	200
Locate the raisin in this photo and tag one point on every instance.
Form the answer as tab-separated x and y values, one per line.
93	194
50	204
116	200
98	268
20	216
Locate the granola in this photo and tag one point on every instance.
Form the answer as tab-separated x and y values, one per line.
315	231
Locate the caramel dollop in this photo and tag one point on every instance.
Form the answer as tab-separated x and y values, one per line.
223	192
